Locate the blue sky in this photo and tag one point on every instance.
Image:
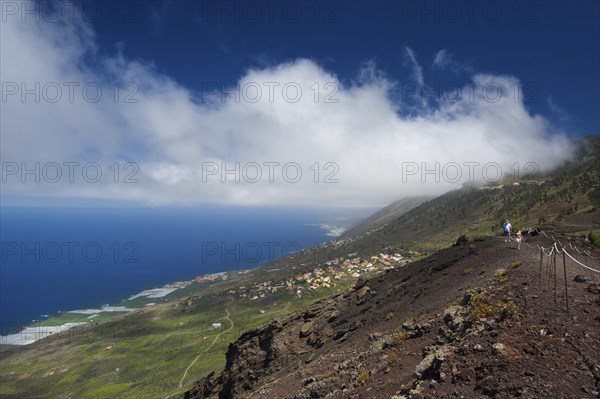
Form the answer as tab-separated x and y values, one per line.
552	46
348	103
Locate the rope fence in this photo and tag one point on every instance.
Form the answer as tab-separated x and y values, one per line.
558	248
581	264
550	254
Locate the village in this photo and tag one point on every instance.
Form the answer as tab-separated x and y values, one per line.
170	287
326	276
336	272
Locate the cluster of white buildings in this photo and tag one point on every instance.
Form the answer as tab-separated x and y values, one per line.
325	276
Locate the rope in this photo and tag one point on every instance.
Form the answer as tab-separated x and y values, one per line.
544	250
580	264
586	253
590	255
557	250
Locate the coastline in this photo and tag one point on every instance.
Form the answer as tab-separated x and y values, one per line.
66	320
37	292
28	333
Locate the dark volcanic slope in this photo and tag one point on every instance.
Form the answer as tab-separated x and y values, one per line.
385	215
567	200
466	322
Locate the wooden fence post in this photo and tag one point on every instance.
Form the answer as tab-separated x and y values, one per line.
541	261
565	270
554	266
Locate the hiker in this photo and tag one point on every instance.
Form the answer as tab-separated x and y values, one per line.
507	229
519	237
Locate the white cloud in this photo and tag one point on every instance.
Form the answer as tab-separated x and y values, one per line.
419	92
561	113
417	69
443	59
350	133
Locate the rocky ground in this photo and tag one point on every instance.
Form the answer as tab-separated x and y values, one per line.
472	321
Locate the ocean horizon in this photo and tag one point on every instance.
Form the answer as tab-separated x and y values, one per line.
60	259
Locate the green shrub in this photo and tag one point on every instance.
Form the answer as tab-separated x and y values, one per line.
482	306
501	275
594	239
400	336
515	264
363	378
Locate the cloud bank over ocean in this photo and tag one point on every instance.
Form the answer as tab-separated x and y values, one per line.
290	133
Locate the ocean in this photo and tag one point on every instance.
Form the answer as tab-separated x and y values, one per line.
57	259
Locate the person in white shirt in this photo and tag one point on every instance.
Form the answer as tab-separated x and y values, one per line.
507	229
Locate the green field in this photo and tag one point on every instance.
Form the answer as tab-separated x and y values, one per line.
151	348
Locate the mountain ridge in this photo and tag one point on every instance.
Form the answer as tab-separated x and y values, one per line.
421	331
564	202
385	215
